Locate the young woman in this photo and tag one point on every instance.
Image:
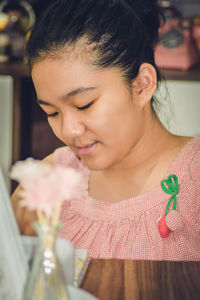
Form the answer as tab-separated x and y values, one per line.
92	64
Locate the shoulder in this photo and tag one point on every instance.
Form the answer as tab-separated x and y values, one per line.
187	169
49	159
187	161
194	164
190	183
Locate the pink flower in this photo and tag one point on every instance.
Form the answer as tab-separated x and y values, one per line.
43	187
28	169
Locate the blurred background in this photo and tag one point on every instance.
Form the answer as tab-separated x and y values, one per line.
24	130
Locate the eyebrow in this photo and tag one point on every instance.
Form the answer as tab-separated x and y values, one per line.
69	95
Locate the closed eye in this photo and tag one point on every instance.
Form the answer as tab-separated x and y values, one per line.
85	106
52	115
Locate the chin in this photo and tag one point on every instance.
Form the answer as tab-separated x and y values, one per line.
96	164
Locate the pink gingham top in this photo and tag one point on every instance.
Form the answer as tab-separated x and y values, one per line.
128	229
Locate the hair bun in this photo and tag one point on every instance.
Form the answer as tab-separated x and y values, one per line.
150	13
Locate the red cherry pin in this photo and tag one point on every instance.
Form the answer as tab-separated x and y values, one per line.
170	186
162	227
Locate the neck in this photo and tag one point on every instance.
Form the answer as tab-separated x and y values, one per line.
145	152
143	168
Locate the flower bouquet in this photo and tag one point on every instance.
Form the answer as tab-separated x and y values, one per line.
44	189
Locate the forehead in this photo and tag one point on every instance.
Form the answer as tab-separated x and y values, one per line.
54	77
62	63
51	73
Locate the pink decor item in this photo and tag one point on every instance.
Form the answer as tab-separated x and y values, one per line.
176	48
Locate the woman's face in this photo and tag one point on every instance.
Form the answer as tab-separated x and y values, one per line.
92	111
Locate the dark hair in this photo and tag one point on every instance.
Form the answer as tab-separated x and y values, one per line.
122	32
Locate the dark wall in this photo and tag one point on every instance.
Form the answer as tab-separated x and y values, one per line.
38	5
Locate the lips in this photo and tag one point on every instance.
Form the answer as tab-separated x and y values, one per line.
86	149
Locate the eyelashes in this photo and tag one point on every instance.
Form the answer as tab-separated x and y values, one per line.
77	107
52	115
85	106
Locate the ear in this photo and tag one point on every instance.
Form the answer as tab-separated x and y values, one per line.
145	84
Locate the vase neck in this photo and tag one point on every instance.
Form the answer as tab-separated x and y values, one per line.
47	235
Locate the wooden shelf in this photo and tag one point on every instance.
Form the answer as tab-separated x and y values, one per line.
191	75
15	69
19	69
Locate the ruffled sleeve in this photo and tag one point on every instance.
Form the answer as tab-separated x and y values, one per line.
194	177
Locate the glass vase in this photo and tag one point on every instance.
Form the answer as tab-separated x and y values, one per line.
45	280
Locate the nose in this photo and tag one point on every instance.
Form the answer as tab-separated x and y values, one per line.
72	126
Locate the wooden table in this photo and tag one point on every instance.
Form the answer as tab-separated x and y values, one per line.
143	280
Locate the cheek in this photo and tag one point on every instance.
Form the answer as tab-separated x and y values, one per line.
113	119
101	121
